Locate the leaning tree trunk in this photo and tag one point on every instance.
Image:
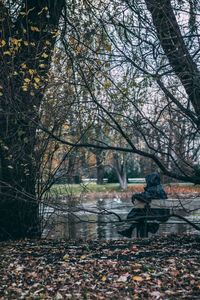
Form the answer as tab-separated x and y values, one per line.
25	50
173	44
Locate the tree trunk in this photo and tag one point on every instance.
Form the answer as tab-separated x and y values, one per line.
25	49
19	215
172	42
100	169
122	181
121	171
99	155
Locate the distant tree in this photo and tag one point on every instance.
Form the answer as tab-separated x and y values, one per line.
160	61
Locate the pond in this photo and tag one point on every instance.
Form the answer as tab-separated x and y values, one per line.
99	219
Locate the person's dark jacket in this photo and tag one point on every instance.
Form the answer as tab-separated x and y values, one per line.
153	189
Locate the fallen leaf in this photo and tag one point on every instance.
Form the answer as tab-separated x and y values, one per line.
58	296
137	278
66	257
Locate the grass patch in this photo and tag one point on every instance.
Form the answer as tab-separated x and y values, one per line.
93	188
62	189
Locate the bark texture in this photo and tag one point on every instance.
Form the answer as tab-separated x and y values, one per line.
173	44
25	53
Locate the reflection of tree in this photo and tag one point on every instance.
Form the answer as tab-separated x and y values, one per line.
72	226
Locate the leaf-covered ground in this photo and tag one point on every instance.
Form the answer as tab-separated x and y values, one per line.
158	268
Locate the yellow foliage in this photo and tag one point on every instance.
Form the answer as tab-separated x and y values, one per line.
7	53
55	33
16	42
108	47
31	71
44	55
24	66
79	49
2	43
66	257
27	80
42	66
36	79
36	86
35	29
24	88
107	84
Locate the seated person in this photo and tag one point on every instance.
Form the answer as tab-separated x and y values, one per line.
153	190
141	202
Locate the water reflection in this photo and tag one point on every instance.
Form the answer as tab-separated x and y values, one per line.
86	225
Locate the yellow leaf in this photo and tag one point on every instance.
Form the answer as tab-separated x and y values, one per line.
55	33
44	55
78	49
1	94
66	257
32	94
137	278
31	71
48	43
35	29
36	79
42	66
25	43
24	88
24	66
27	80
107	84
16	42
103	278
108	47
36	86
83	257
7	53
2	43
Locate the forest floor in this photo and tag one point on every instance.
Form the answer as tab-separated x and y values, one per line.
156	268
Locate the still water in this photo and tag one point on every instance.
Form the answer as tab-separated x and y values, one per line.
100	219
